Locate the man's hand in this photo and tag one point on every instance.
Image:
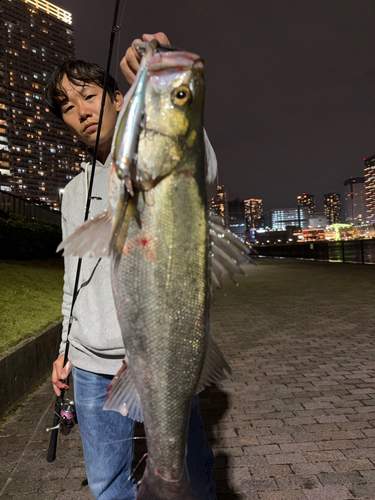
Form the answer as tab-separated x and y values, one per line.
130	63
59	373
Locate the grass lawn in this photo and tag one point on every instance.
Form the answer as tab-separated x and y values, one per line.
30	298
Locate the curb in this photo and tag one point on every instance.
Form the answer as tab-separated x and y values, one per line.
26	364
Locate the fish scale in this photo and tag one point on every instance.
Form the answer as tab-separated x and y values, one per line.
162	301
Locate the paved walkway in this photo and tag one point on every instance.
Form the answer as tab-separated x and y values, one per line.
296	420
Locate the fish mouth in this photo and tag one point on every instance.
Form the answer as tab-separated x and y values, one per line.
181	61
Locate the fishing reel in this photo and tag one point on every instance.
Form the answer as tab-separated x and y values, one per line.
64	419
65	411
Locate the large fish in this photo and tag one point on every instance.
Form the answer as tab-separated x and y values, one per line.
160	248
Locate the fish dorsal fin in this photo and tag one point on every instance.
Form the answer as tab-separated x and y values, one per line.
91	238
123	396
215	368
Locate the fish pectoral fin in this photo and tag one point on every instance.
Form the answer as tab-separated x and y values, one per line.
238	249
228	253
92	237
123	396
215	368
215	282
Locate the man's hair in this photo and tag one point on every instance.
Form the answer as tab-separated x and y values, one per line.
78	73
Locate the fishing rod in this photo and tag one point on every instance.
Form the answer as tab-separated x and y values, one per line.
64	411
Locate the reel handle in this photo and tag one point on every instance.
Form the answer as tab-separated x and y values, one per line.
51	453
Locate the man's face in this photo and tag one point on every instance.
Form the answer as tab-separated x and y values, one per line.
80	112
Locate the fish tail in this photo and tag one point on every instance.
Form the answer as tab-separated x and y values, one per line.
154	487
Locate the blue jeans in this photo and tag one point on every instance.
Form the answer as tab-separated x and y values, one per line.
108	446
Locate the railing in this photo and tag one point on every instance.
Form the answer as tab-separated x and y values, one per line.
351	251
15	204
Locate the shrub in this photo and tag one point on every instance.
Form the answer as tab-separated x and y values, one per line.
24	239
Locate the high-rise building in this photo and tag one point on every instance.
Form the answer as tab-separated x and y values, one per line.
280	218
317	220
370	188
307	200
332	208
253	213
237	221
38	155
219	204
355	201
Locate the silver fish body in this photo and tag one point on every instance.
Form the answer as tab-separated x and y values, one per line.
161	282
160	258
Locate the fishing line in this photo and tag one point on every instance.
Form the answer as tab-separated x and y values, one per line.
135	468
26	447
91	276
126	439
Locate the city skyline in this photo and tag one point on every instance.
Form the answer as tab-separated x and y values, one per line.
274	180
38	155
289	85
355	208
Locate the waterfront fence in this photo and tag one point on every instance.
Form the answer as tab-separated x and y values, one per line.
14	204
350	251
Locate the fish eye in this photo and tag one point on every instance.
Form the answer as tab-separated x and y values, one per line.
181	95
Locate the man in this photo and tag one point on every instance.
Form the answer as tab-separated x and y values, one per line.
74	93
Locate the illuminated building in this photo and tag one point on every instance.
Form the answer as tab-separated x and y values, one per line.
341	232
317	220
237	221
307	200
219	204
332	208
38	155
370	188
253	213
355	200
311	234
280	218
264	237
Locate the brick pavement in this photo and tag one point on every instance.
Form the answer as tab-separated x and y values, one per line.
295	421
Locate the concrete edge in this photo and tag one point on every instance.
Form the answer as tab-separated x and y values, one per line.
22	366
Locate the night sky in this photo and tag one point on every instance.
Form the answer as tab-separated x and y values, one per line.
290	84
